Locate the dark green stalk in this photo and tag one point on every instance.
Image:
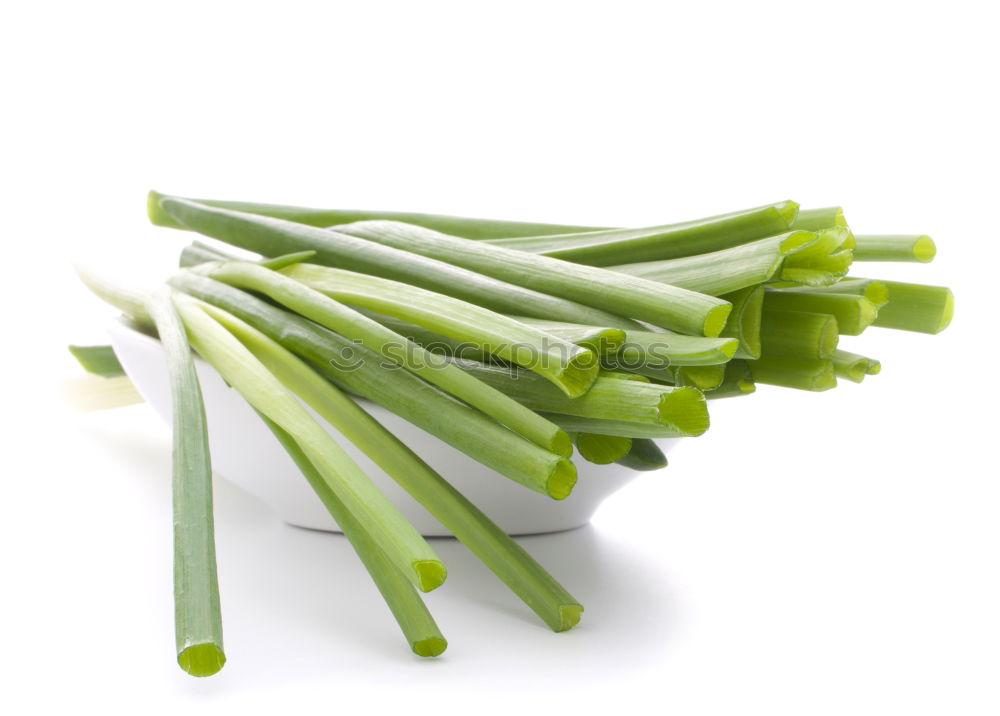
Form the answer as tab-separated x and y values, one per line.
458	225
197	615
415	621
660	304
275	237
644	455
621	246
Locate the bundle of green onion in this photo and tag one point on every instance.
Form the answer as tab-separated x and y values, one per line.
512	342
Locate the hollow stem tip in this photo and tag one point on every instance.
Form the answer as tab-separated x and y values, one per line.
561	480
432	646
430	574
201	659
569	616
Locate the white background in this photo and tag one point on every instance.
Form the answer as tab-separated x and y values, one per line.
812	554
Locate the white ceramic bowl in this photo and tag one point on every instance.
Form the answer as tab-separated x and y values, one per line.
246	453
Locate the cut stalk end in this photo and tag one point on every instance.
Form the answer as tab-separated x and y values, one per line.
562	444
561	481
685	409
788	210
569	616
579	374
602	449
432	646
924	249
716	319
430	574
202	659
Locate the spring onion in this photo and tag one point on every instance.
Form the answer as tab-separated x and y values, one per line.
237	365
659	304
727	270
458	225
619	246
359	370
681	408
197	615
568	366
528	579
415	621
395	349
275	237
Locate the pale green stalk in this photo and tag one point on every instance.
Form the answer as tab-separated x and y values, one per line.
721	272
681	408
895	247
916	307
791	372
794	333
854	367
744	321
874	290
853	313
